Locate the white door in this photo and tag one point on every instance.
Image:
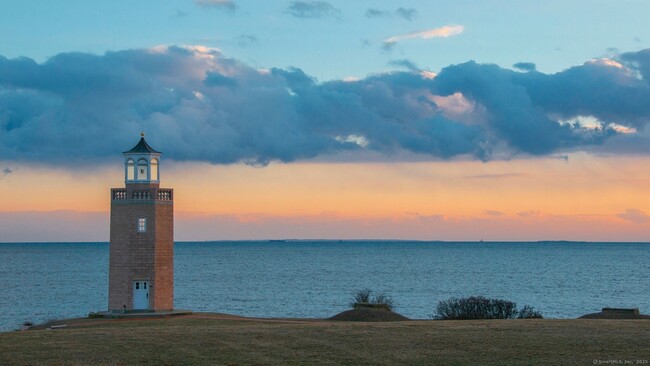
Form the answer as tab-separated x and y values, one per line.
140	295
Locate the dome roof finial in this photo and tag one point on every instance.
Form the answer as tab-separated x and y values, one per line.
142	134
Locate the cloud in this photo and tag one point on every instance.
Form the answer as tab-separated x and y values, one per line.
526	109
412	67
197	104
6	172
634	215
404	63
214	78
442	32
525	66
388	47
406	13
217	4
312	9
376	13
492	213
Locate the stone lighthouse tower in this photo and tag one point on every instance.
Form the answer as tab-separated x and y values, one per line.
141	265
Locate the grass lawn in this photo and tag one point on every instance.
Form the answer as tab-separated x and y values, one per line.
213	339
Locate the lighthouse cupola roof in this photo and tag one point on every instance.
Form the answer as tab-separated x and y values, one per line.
142	147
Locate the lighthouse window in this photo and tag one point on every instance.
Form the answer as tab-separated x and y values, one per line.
142	169
142	224
130	170
154	169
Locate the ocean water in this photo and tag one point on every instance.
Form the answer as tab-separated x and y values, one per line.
312	279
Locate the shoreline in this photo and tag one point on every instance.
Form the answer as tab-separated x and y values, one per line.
92	319
612	314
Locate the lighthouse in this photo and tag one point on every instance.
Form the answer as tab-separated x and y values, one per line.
141	264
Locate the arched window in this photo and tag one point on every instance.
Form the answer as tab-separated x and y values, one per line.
142	169
154	169
130	169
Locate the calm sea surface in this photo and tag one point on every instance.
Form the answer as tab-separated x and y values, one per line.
44	281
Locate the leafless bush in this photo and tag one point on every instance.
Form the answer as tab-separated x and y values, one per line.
529	313
362	295
366	296
479	307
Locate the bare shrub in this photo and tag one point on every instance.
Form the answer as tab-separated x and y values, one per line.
529	313
365	296
362	295
479	307
383	299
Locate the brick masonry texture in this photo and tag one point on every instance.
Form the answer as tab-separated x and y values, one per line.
147	256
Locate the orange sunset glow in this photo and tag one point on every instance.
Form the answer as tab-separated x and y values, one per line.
581	198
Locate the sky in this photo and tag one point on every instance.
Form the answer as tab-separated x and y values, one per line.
464	120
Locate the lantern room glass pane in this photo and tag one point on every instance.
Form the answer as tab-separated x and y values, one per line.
142	169
154	169
130	170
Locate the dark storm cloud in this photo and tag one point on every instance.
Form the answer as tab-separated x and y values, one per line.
514	112
639	61
213	78
312	9
196	104
525	66
606	90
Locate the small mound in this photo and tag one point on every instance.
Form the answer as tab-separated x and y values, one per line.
602	315
368	315
613	313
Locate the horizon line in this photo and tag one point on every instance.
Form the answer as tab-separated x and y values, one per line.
275	241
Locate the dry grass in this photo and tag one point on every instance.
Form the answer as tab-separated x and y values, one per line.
204	339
